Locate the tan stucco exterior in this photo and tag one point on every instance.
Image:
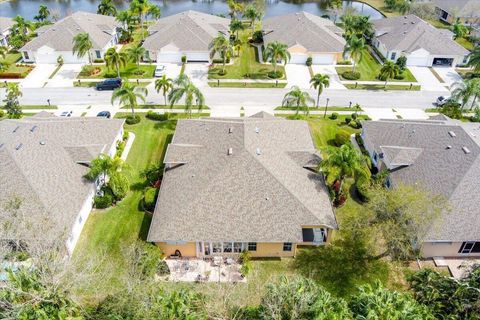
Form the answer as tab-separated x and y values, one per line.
444	249
187	250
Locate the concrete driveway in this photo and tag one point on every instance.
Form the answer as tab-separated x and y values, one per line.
395	113
198	73
427	79
65	76
330	71
38	76
449	75
297	75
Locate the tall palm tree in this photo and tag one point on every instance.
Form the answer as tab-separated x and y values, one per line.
342	163
234	8
474	58
463	91
348	25
115	58
236	26
107	8
126	18
43	13
82	46
299	99
142	8
135	54
389	70
476	91
165	85
276	51
128	95
154	11
223	46
318	82
252	14
363	25
184	88
459	29
355	48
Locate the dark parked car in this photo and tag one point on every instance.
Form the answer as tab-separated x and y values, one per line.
104	114
109	84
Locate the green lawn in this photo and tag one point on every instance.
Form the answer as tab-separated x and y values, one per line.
369	70
382	87
21	70
465	43
130	71
333	108
245	85
91	84
162	106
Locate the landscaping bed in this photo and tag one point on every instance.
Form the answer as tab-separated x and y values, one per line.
130	71
14	70
382	87
91	84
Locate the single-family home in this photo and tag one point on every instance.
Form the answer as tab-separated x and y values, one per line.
44	159
443	157
306	35
422	44
187	34
6	25
57	39
241	184
468	11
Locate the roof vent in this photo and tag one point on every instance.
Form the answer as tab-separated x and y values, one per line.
42	143
449	147
466	150
257	129
33	128
230	151
19	146
258	151
1	145
230	130
452	134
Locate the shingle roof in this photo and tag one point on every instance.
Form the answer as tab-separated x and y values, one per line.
410	33
438	163
42	162
6	23
60	35
460	8
312	32
260	192
186	31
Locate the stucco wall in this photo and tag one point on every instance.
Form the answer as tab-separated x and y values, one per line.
187	250
444	249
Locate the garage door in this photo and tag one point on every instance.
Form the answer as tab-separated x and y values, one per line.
198	56
323	59
417	61
51	57
298	58
444	62
169	57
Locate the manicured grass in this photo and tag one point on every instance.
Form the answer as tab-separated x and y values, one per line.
21	70
465	43
246	85
369	70
438	23
91	84
27	107
324	129
382	87
320	109
130	71
162	106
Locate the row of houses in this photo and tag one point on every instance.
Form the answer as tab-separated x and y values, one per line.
189	34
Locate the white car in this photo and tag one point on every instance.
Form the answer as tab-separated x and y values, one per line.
442	100
66	114
159	71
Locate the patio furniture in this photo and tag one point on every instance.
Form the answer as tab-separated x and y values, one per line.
217	261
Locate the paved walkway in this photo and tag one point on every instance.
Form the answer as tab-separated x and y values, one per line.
65	76
449	75
298	75
38	76
330	70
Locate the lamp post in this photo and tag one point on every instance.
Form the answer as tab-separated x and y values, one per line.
48	101
350	105
326	107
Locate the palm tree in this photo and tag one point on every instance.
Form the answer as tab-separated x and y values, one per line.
459	29
299	99
102	166
128	95
355	48
154	11
342	163
21	25
474	58
464	90
115	58
142	8
236	26
252	14
184	88
43	13
389	70
223	46
107	8
276	51
164	84
125	17
235	8
363	25
135	54
318	82
82	46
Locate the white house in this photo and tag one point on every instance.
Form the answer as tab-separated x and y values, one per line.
6	25
422	44
187	34
44	159
57	39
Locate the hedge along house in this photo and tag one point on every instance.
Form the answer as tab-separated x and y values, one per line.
187	34
57	39
44	159
306	35
241	184
443	157
422	44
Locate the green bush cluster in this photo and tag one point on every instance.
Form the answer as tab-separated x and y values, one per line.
400	76
363	188
344	62
105	201
150	198
452	110
245	260
98	60
275	74
334	116
309	61
350	75
341	137
132	119
2	113
257	36
120	148
152	115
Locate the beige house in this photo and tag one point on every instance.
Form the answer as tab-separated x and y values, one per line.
241	184
306	35
6	25
444	156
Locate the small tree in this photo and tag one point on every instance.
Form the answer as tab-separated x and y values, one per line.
401	63
43	13
115	58
388	70
318	82
107	8
276	51
355	48
82	46
183	88
236	26
128	95
252	14
222	45
12	105
135	54
164	84
299	99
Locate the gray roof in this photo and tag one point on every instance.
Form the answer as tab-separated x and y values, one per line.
43	163
186	31
460	8
59	36
6	23
312	32
264	191
434	159
410	33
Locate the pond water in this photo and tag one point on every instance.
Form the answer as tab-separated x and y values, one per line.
29	8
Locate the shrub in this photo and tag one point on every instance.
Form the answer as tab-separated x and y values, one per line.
355	124
149	260
119	185
184	59
98	60
275	74
152	115
476	115
333	116
257	36
120	148
362	186
221	60
344	62
452	109
342	137
60	60
132	119
400	76
401	63
150	198
89	70
2	113
105	201
350	75
354	116
347	120
309	61
246	263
